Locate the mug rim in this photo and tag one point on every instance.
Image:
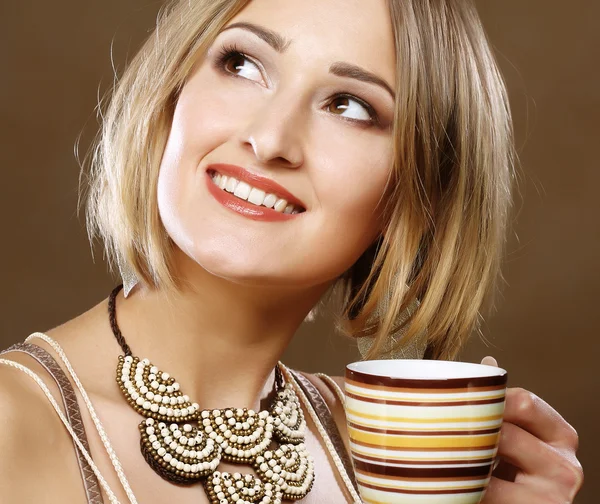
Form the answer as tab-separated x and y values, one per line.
486	375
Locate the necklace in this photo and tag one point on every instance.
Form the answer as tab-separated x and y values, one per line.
185	445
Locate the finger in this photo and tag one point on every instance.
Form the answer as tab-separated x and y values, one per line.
528	411
489	361
531	455
504	492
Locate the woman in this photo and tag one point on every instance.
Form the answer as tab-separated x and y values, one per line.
255	157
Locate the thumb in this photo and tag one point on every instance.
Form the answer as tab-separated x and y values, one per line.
489	361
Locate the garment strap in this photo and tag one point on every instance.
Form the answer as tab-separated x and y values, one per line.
325	416
73	414
335	388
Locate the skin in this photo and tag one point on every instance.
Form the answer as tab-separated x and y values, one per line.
278	114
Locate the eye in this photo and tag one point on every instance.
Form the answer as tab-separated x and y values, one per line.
237	63
352	108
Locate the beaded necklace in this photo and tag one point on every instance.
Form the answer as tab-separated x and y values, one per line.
185	445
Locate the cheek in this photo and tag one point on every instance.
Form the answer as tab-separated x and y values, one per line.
205	117
350	180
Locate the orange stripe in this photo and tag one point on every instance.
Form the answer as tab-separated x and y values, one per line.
424	420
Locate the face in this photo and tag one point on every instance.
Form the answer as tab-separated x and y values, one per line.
289	111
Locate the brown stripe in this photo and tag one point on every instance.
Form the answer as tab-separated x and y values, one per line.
422	492
488	460
417	433
417	403
420	449
450	383
419	473
424	390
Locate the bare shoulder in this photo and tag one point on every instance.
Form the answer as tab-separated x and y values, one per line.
32	437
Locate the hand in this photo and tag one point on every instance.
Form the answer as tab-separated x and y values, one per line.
537	452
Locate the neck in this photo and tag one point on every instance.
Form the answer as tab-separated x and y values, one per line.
220	340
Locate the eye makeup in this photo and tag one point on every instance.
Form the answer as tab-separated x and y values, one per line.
230	52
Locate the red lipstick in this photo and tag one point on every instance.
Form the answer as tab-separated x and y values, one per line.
257	181
246	208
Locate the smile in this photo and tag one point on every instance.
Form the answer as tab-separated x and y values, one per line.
258	197
251	195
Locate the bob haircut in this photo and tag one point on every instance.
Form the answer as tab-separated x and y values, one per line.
448	197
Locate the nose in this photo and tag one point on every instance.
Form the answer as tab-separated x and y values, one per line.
274	133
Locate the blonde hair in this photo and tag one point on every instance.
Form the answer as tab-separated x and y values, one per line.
447	199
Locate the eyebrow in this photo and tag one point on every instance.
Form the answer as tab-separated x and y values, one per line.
276	41
339	68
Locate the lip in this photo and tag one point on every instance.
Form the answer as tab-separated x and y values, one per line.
249	210
265	184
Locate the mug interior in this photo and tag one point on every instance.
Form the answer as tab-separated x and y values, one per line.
406	369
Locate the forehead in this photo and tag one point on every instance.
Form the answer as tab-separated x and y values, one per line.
354	31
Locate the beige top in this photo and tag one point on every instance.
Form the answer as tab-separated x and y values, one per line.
91	476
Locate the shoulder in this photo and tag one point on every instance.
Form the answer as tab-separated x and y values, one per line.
32	437
22	399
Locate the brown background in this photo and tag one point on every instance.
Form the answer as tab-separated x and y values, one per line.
56	56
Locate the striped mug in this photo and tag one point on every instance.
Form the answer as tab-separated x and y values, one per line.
423	432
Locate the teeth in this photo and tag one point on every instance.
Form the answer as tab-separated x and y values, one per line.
242	190
270	200
255	196
280	205
231	184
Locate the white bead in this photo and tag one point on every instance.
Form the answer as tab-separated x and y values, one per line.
165	376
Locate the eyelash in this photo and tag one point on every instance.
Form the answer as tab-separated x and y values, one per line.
229	51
